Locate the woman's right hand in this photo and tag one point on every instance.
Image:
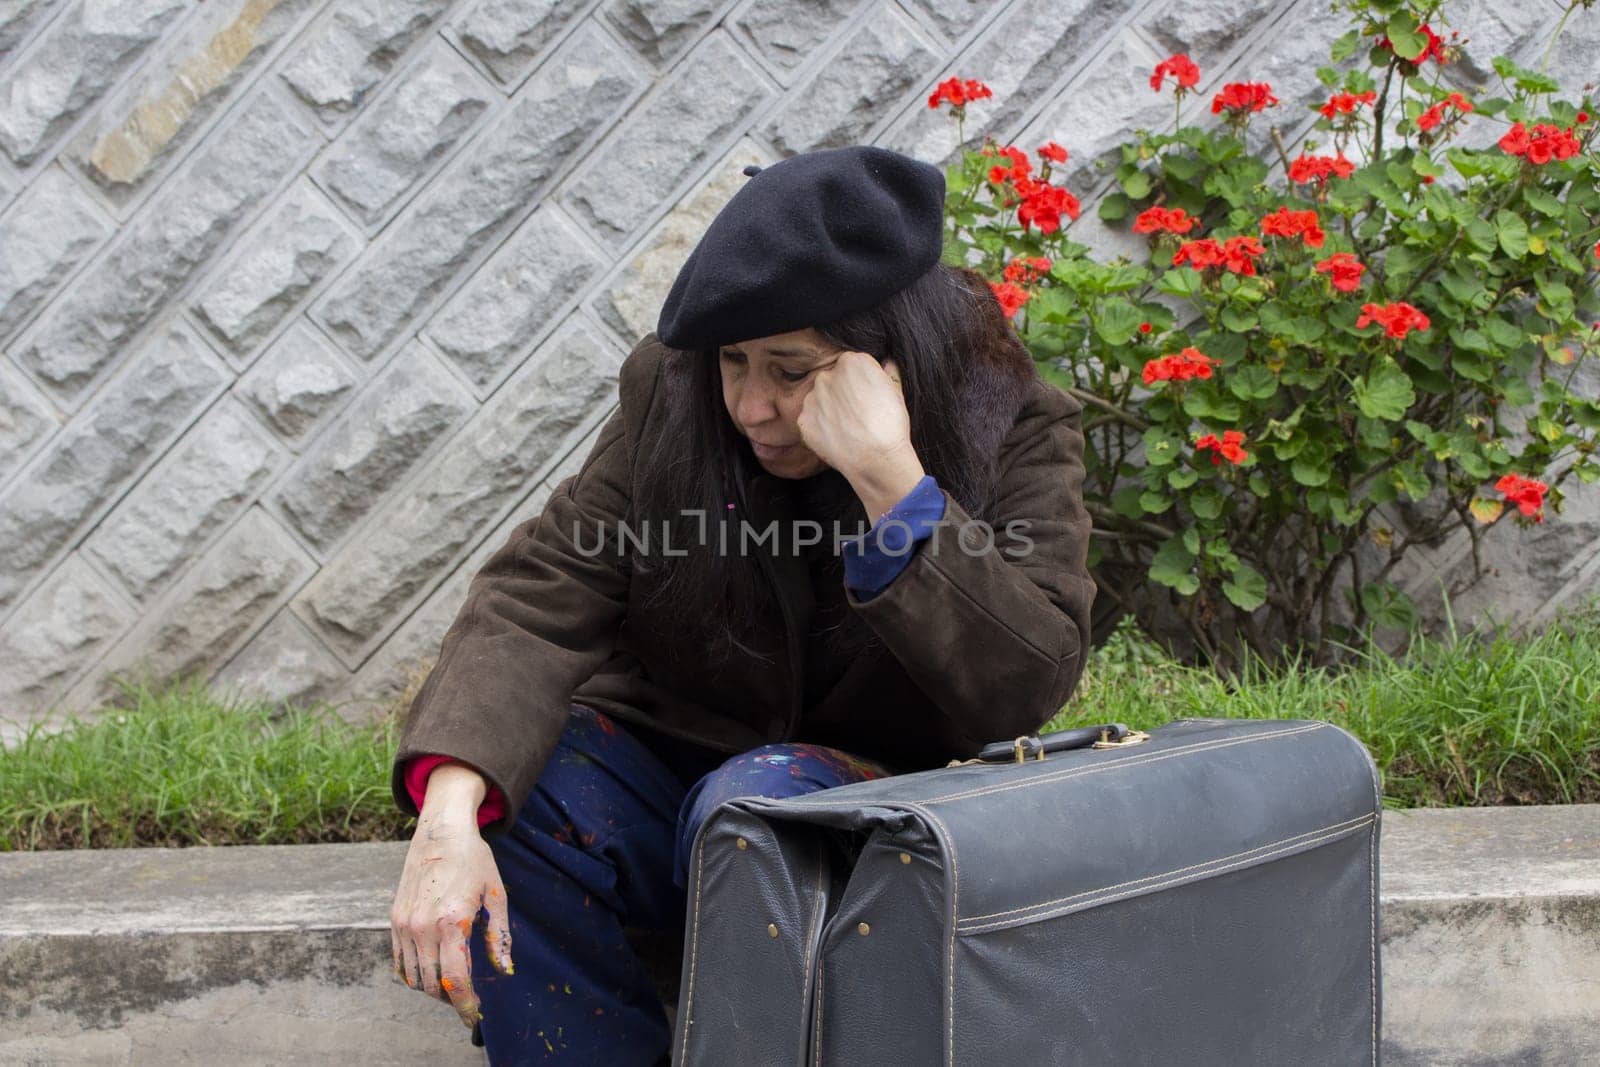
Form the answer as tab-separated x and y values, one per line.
449	874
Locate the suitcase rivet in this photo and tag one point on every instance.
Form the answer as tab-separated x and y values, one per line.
772	929
865	929
905	857
743	844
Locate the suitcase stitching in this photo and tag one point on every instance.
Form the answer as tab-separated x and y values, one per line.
949	844
694	946
817	1030
1270	849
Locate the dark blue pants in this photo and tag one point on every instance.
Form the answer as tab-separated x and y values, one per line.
602	844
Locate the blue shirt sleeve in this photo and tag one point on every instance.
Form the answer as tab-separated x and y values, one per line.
874	559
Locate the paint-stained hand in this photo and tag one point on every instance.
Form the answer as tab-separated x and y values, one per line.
449	874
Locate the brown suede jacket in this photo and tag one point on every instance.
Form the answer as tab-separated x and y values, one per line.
976	646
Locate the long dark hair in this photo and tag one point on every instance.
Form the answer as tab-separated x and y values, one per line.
953	346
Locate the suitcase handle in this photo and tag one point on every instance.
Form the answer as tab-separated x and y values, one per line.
1107	735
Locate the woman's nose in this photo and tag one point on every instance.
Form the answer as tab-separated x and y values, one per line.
755	402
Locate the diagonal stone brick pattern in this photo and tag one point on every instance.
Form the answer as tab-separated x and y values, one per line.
306	304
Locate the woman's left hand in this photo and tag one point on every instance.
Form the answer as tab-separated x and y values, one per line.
855	420
855	411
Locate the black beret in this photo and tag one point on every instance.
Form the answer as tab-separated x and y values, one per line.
806	241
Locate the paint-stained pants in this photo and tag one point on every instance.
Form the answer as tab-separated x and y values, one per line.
602	843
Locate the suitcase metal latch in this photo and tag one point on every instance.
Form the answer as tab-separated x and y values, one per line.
1132	737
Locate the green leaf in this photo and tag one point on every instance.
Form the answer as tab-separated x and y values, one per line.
1387	606
1247	589
1206	504
1556	297
1482	236
1513	233
1155	503
1403	34
1180	281
1182	477
1136	185
1115	206
1209	402
1527	80
1463	289
1181	168
1239	320
1563	256
1310	468
1471	366
1118	321
1503	333
1385	393
1542	201
1410	478
1171	562
1161	447
1252	382
1345	46
1125	502
1471	340
1403	260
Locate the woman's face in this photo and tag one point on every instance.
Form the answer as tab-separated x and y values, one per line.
764	384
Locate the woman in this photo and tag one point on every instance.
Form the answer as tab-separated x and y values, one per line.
816	373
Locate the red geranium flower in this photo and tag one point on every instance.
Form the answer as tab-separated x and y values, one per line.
1011	296
1236	254
1397	319
1432	117
1025	271
959	93
1597	250
1044	204
1229	447
1182	69
1526	493
1344	271
1145	327
1160	219
1241	98
1018	169
1178	366
1304	168
1540	145
1286	223
1346	103
1053	152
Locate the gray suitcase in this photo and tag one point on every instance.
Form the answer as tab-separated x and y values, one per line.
1204	893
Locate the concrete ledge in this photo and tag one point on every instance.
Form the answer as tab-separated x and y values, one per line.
280	954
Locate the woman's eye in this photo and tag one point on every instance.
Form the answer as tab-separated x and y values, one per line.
788	377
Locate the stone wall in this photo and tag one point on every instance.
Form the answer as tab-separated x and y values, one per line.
304	304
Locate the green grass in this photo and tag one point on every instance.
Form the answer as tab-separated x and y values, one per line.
181	766
1471	720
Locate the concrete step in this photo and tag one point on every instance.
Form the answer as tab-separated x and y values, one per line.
280	954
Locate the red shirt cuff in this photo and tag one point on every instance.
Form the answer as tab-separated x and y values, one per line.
416	775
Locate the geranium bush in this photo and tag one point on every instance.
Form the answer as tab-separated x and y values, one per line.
1383	316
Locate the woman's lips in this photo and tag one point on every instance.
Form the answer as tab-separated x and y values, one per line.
769	451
